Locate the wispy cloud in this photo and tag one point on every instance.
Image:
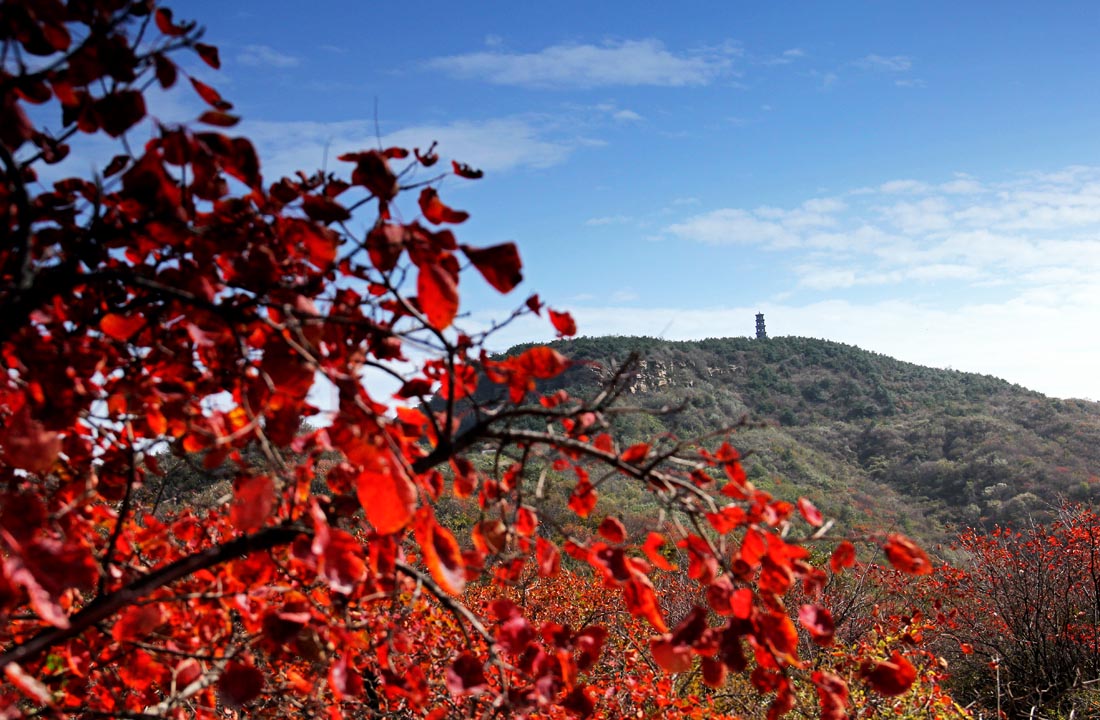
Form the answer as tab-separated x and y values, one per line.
1038	232
627	63
785	58
496	145
891	63
266	56
771	227
609	220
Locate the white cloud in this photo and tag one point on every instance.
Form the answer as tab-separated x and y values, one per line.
493	145
962	186
785	58
923	216
629	62
771	227
608	220
266	57
624	295
892	63
627	116
903	187
730	226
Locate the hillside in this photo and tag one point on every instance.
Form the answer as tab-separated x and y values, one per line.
861	433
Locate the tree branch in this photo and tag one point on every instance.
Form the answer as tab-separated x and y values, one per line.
105	606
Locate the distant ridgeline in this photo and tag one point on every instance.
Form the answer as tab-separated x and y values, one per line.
861	433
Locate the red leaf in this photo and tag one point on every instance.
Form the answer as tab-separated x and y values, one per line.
819	622
118	162
641	601
563	323
441	553
526	521
344	567
466	478
428	159
253	501
437	290
780	635
844	556
741	602
239	684
324	210
218	118
832	692
436	212
164	23
547	557
714	672
499	265
543	362
653	543
319	242
210	95
372	171
385	243
905	556
489	536
612	530
583	499
417	387
809	512
119	327
464	170
466	675
28	445
388	498
753	547
137	621
671	656
28	684
581	701
165	71
57	36
589	644
891	677
120	111
728	518
635	453
209	55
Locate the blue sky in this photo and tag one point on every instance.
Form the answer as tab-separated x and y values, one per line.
919	179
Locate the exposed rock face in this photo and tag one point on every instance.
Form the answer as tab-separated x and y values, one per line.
654	374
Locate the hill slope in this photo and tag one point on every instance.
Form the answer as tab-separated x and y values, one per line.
860	432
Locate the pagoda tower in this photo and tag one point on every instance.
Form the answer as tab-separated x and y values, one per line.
761	333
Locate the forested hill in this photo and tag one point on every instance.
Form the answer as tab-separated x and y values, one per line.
861	433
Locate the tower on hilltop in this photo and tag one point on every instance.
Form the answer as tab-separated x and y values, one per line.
761	333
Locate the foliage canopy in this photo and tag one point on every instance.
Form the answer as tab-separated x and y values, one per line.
181	299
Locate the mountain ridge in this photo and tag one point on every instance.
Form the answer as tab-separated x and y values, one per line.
858	432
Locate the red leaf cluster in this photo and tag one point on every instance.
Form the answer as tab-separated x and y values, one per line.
253	458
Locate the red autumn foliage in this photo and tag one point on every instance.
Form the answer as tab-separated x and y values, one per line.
188	302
